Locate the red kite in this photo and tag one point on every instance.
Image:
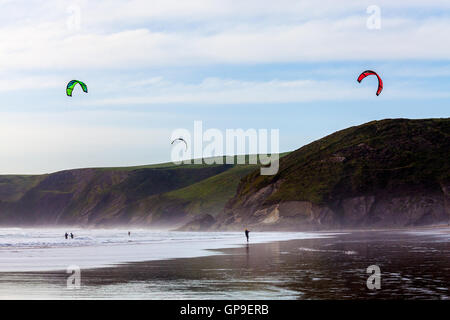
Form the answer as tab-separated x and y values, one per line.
372	73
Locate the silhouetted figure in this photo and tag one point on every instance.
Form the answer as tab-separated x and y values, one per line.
246	233
66	235
71	235
129	233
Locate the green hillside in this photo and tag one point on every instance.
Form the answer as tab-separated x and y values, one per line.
157	194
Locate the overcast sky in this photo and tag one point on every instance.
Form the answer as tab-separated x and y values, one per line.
153	66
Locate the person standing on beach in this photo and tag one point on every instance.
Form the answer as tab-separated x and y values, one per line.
246	233
71	235
129	233
66	235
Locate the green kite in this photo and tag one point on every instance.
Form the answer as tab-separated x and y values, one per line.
72	85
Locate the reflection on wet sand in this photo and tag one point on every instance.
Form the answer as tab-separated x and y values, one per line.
413	266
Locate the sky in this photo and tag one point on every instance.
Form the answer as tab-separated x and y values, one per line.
154	66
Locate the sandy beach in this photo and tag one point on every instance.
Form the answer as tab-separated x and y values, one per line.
414	265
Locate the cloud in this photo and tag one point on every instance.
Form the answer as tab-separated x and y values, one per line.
231	91
29	82
272	34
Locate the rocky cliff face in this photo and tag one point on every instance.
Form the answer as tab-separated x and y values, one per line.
371	211
391	173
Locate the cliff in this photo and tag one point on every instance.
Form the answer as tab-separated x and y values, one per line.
389	173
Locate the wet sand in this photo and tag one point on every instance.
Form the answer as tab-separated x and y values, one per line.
414	265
